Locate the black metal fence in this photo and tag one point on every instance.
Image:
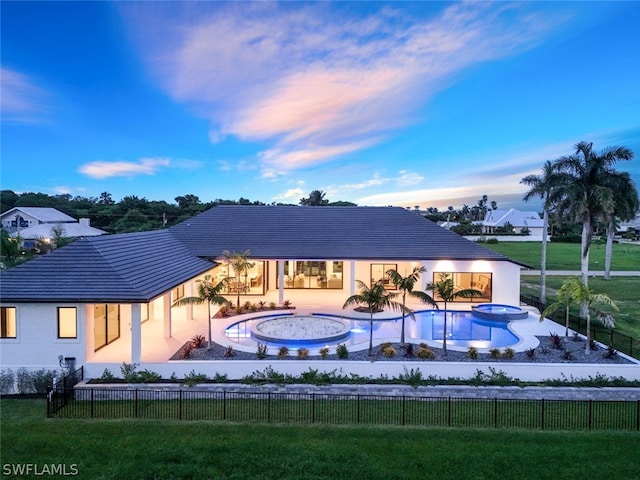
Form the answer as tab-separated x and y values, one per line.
61	393
607	336
321	408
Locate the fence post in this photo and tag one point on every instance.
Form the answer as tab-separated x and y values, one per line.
638	415
135	404
590	412
91	403
542	414
449	412
269	407
224	404
180	404
358	409
313	407
495	412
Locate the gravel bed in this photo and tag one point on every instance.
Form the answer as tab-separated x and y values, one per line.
544	353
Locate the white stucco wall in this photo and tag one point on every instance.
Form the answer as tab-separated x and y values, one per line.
37	344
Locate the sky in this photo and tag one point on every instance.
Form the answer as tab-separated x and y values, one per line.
428	104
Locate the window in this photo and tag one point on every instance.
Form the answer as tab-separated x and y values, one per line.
178	292
313	274
67	322
144	312
8	322
379	273
106	328
482	282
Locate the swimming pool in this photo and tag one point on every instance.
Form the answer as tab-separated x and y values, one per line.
463	330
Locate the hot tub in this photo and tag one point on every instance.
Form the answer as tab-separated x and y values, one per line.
496	311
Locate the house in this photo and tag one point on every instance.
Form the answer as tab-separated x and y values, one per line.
37	224
520	221
108	299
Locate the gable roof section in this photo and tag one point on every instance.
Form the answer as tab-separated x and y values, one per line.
316	233
135	267
71	230
517	218
42	214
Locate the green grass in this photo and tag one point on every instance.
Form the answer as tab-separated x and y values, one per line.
622	290
566	256
148	449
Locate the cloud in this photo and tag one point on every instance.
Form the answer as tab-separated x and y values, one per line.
312	89
407	179
22	100
291	194
102	169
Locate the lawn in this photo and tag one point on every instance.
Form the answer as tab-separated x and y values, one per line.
146	449
566	256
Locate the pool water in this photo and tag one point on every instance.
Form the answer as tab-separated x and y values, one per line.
463	330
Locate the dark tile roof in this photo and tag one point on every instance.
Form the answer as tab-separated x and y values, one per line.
341	233
138	267
134	267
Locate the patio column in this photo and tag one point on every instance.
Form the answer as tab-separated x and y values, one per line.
280	281
136	333
166	314
189	293
352	273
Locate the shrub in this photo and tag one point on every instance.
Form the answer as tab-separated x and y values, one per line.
342	352
23	381
6	381
494	353
324	353
530	352
192	378
593	345
229	352
224	310
303	353
389	352
253	307
508	353
567	355
384	346
492	240
198	341
220	378
238	310
262	304
425	352
283	351
272	305
286	304
472	353
42	380
146	376
261	351
610	353
184	352
128	371
556	341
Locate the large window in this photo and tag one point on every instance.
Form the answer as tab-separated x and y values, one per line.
251	282
379	273
8	328
177	292
106	320
483	282
67	322
313	274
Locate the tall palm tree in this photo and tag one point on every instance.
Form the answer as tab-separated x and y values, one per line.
583	295
376	298
241	265
209	293
626	204
564	299
584	192
542	186
406	286
446	290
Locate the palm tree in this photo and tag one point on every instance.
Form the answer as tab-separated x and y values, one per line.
315	199
376	298
542	186
626	204
406	285
241	264
582	295
564	299
583	191
209	293
446	290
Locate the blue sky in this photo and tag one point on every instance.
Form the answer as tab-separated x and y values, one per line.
378	103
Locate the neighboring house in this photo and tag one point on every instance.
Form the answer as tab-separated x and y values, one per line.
90	299
36	224
519	220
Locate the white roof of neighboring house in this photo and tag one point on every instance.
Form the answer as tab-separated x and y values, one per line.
71	230
517	218
43	214
635	223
